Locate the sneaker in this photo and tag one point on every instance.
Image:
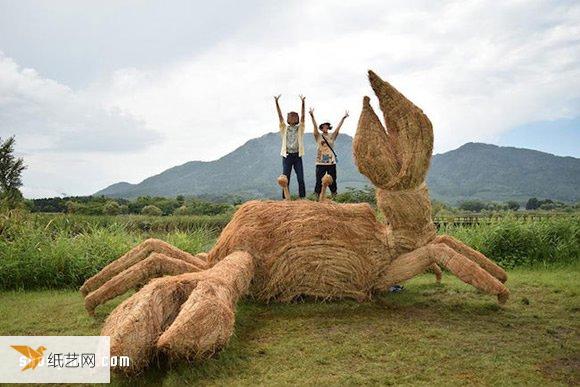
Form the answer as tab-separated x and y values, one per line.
396	288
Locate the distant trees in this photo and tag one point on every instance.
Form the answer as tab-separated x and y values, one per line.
549	205
356	195
513	205
533	204
100	205
184	206
11	169
479	206
473	205
440	208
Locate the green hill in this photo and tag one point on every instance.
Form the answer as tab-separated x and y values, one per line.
473	171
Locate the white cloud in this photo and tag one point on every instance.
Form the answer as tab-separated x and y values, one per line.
476	68
65	137
50	117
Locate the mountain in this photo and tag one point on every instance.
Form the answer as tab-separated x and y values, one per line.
249	171
473	171
491	172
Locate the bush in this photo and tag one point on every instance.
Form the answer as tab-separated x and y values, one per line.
151	210
533	204
111	208
124	209
62	254
180	211
512	242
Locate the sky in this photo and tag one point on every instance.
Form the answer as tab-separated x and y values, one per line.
98	92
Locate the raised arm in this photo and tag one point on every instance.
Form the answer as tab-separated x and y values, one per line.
280	116
315	129
302	111
335	134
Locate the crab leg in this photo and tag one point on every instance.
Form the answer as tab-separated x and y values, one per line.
188	315
135	325
485	263
416	262
205	322
438	273
156	265
137	254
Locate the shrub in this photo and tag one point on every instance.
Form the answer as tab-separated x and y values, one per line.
111	208
512	242
151	210
533	204
71	207
180	211
62	254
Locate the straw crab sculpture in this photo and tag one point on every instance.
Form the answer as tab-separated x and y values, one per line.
280	250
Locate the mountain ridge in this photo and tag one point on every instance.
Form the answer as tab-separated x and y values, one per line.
472	171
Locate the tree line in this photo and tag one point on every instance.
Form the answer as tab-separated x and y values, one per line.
145	205
11	168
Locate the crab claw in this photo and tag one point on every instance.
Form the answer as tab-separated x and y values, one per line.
397	157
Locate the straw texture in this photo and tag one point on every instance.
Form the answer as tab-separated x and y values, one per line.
136	254
283	182
326	182
324	249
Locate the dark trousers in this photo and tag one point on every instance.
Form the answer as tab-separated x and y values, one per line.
293	160
321	170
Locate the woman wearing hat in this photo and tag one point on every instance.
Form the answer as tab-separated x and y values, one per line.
325	154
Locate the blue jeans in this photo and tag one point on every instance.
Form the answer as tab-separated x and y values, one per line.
293	160
321	170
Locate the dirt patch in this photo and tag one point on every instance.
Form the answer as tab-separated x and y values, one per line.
563	369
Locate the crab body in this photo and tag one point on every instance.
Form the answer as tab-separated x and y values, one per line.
306	248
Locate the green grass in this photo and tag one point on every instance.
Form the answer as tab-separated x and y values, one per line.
41	253
429	334
74	223
61	251
514	242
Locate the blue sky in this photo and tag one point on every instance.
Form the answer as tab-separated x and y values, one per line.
98	92
560	137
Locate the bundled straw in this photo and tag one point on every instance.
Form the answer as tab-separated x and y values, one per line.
283	182
307	248
397	157
187	316
326	182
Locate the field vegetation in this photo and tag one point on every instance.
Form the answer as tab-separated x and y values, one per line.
446	334
429	334
61	251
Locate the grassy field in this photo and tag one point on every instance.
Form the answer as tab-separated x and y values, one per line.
429	334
